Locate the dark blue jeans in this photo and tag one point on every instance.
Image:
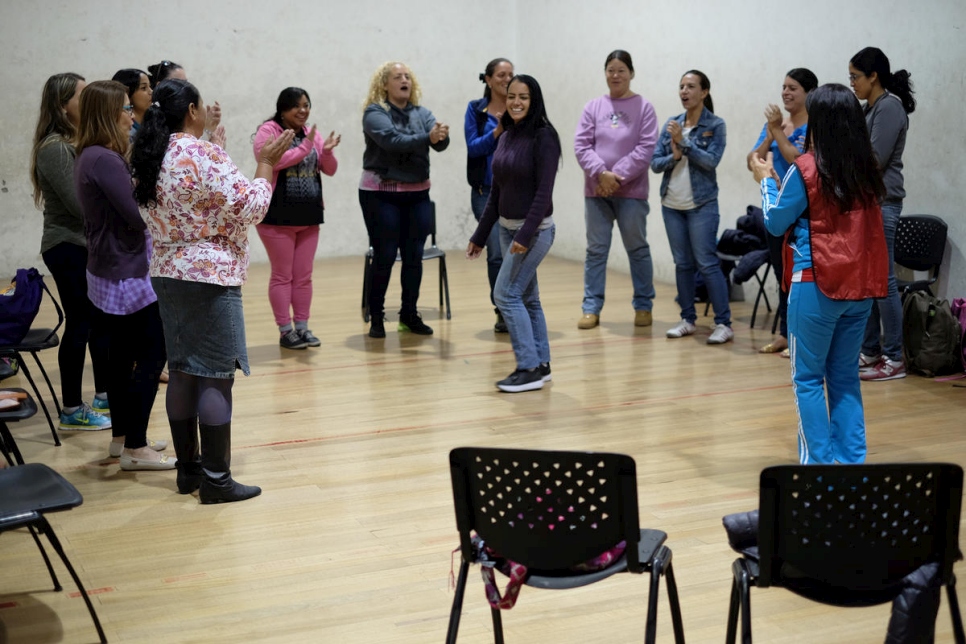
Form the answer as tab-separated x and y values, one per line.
396	221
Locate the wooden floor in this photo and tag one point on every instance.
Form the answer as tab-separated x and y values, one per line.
351	539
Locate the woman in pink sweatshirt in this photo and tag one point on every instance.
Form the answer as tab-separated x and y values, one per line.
290	230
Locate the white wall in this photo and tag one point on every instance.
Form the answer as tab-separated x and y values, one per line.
242	54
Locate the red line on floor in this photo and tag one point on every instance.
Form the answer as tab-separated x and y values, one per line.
93	591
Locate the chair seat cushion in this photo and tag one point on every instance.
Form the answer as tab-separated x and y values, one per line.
35	487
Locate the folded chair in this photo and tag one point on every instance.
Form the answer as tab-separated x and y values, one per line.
551	511
850	535
27	493
429	252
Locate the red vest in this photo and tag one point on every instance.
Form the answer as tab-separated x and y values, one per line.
850	258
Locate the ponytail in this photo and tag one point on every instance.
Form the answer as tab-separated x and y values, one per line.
901	85
165	116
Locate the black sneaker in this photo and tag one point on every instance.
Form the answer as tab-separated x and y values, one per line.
292	340
521	380
500	326
309	338
413	323
544	369
377	327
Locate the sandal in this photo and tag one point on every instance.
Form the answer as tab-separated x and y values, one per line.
787	353
773	347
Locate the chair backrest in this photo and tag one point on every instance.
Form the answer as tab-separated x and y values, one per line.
548	510
921	243
857	527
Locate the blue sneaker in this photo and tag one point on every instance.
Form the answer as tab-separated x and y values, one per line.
84	419
101	405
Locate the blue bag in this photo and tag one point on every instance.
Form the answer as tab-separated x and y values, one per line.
19	305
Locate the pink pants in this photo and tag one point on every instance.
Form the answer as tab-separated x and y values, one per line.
291	252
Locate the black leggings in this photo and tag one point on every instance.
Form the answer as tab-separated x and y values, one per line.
67	263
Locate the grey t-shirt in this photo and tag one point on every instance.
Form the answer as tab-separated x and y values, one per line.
888	122
63	217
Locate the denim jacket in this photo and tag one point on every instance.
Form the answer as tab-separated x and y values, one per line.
703	148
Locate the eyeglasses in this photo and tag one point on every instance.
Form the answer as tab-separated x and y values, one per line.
854	77
128	108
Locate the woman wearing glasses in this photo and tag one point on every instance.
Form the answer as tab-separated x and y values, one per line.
888	103
138	87
117	271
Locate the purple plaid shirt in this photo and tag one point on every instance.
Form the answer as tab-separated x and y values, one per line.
121	297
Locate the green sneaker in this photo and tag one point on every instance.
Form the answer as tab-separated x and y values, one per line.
101	405
84	419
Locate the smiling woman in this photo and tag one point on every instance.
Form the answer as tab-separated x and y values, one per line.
290	230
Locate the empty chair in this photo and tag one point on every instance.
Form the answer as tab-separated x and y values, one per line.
27	493
849	535
429	252
920	246
551	512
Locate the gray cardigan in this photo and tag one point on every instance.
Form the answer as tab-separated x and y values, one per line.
63	219
888	122
397	142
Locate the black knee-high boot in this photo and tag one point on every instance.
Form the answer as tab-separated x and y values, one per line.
217	485
184	436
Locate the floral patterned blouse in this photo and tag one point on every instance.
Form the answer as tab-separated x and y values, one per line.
204	208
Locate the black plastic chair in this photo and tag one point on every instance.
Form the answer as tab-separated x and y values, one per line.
551	511
847	535
430	252
920	246
27	493
760	278
38	340
25	410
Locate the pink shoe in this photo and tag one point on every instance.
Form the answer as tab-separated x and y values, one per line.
885	370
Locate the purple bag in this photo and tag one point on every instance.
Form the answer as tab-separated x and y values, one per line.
959	312
19	305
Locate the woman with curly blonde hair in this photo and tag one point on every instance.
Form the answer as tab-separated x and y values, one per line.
394	190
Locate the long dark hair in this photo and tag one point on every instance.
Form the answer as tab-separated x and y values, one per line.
287	99
130	78
159	72
839	138
872	60
166	115
58	90
804	77
705	84
536	117
489	71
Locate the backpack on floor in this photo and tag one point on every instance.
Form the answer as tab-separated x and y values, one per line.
931	336
958	309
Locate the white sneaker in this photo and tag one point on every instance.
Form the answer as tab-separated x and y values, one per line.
722	333
681	329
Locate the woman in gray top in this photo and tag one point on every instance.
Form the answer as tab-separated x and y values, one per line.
888	102
64	249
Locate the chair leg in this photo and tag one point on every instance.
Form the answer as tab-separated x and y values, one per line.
8	445
40	399
733	610
744	590
954	611
43	553
53	394
454	615
444	285
46	529
497	625
672	595
657	568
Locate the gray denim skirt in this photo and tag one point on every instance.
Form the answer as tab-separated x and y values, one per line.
204	327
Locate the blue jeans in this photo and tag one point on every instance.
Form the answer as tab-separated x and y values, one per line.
396	221
600	213
494	254
888	310
518	297
693	236
825	336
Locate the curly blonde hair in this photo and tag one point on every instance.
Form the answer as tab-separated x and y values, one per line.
377	86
